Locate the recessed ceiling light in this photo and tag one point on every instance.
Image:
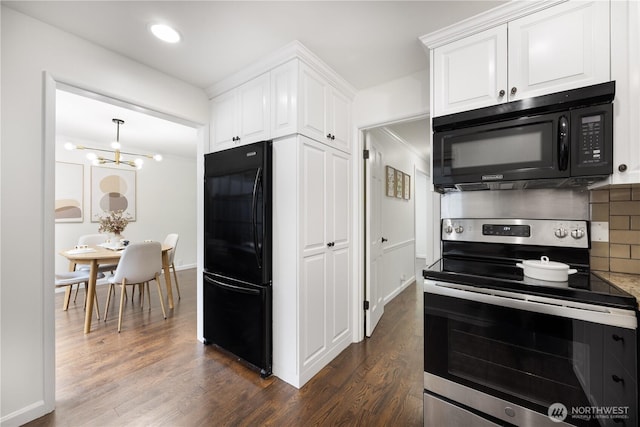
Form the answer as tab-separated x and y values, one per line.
165	33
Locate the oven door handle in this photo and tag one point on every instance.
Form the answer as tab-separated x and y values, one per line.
555	307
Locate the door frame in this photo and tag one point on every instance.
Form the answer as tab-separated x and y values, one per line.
50	84
360	221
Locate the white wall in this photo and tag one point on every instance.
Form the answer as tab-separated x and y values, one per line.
166	203
399	99
398	218
27	252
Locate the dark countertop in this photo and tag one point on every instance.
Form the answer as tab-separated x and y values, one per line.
627	282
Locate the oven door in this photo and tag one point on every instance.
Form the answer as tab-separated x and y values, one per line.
526	359
525	148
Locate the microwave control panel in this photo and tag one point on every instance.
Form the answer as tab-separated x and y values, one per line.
591	139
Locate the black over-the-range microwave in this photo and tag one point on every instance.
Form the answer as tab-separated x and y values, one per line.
564	139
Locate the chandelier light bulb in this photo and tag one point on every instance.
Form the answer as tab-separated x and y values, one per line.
92	156
69	146
138	162
116	145
157	157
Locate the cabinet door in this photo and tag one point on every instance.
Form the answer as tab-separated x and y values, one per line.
338	121
254	110
470	73
313	104
560	48
313	190
338	286
284	95
224	120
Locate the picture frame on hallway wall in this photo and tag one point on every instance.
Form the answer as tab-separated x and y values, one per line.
391	181
112	190
69	204
399	184
406	186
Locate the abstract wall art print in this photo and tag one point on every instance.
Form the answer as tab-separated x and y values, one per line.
112	190
69	205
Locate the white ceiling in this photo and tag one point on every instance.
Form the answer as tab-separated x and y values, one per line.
366	42
87	121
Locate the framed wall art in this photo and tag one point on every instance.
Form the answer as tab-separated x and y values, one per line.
112	190
391	181
69	204
406	186
399	184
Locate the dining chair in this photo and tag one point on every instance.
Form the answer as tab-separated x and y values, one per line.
172	240
70	278
139	264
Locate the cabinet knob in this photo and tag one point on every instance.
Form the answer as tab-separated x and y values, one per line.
617	379
501	93
329	135
333	137
514	90
622	167
331	244
384	240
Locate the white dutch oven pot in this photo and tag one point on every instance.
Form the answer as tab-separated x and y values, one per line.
543	269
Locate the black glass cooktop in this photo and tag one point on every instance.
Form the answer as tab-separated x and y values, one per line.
582	286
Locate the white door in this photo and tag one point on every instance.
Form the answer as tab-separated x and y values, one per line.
374	182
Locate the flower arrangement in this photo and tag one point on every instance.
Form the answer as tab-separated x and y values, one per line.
113	222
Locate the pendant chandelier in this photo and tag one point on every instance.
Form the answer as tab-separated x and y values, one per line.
99	159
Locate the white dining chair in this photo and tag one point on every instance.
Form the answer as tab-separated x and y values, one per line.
139	264
70	278
172	240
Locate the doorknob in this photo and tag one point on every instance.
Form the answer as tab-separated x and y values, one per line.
384	240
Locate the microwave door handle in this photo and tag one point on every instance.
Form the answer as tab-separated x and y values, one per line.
563	143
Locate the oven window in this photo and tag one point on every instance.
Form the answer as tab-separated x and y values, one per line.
530	359
541	367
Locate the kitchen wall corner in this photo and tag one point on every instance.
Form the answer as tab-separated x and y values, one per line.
619	207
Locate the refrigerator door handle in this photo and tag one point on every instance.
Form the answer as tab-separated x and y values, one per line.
254	214
232	287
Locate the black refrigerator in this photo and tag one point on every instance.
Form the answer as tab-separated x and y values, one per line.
237	253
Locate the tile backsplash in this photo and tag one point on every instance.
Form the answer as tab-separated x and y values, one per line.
619	207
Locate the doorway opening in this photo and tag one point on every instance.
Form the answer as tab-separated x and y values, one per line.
84	117
397	153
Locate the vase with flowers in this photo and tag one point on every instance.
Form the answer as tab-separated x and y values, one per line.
114	223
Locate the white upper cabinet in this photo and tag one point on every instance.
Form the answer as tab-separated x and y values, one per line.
562	47
325	114
241	116
290	98
471	72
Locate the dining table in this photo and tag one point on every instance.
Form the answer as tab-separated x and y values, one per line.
100	255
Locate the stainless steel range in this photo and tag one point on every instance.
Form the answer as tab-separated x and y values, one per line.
503	348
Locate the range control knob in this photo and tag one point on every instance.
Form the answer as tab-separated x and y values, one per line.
577	233
459	229
448	229
561	232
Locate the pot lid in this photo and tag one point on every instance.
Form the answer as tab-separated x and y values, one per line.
544	263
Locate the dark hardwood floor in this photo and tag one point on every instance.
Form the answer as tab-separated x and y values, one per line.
155	373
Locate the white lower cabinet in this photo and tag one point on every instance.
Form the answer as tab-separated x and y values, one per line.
312	257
